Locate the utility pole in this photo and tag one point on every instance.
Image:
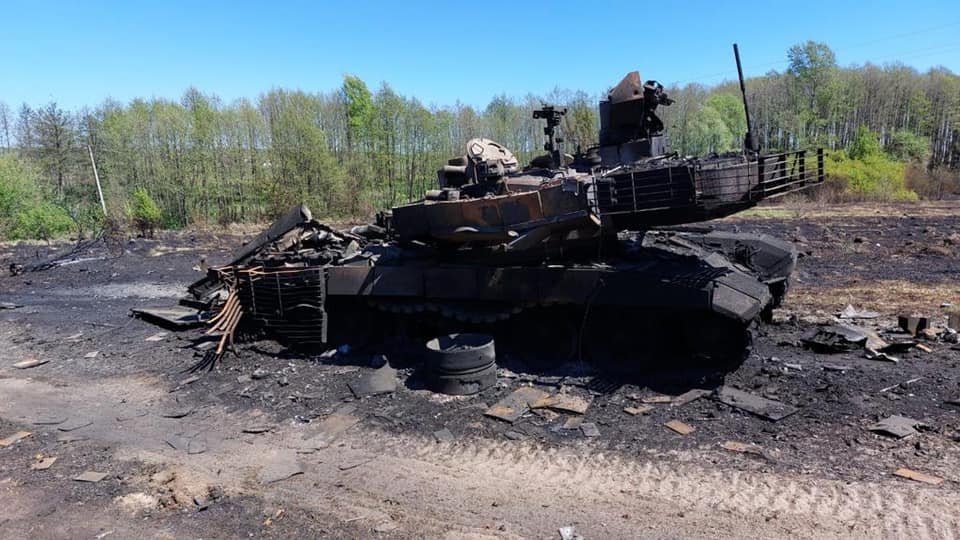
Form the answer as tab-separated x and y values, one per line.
96	177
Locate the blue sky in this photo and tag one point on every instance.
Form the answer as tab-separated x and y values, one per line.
79	53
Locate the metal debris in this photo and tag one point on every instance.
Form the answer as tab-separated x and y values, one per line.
760	406
896	426
912	324
43	464
172	317
569	533
512	407
589	429
851	312
743	448
918	476
680	427
689	396
30	363
636	411
13	439
874	355
375	382
74	424
563	403
90	476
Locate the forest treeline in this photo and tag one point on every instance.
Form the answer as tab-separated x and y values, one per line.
353	150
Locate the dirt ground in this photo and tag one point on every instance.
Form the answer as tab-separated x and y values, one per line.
273	443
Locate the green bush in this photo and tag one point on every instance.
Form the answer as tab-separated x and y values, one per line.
872	177
18	191
44	221
145	212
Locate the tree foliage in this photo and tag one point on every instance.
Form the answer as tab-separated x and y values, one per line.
351	151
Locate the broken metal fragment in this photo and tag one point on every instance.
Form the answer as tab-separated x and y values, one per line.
918	476
744	448
912	324
171	317
15	438
90	476
589	429
31	362
851	312
688	397
760	406
513	406
896	426
375	382
680	427
43	464
74	424
156	337
563	403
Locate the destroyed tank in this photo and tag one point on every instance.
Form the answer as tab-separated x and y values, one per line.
566	257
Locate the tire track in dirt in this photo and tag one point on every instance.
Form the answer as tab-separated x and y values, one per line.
468	485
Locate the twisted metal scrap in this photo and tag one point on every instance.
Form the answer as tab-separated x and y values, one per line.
225	323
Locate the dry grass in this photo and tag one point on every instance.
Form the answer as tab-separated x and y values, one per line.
813	210
889	297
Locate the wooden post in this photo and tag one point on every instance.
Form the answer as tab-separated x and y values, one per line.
96	177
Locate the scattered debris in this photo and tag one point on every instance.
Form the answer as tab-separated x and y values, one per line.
159	336
881	356
10	305
896	426
30	363
835	338
743	448
443	435
918	476
172	317
837	367
189	380
569	533
48	420
904	384
91	354
512	407
177	411
74	424
912	324
657	399
375	382
259	374
924	348
43	463
851	312
256	429
563	403
636	411
689	396
90	476
680	427
589	429
572	423
760	406
515	435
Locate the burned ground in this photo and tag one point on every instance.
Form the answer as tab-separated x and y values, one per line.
891	259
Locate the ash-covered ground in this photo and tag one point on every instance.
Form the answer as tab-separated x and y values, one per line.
412	463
